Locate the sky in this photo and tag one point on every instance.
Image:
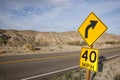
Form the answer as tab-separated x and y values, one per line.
57	15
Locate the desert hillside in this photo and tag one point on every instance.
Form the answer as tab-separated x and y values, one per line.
13	42
19	38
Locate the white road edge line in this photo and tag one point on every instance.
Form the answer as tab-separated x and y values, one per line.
113	56
50	73
110	57
61	70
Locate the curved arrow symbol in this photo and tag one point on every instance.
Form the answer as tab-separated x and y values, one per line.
92	24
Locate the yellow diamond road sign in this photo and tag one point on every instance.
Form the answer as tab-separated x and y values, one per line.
92	28
89	59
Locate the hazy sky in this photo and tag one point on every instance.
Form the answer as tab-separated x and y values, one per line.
57	15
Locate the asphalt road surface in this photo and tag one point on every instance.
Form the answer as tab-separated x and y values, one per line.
21	67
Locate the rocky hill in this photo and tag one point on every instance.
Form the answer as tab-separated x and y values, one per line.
21	37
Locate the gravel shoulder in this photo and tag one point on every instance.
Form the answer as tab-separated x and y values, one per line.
110	69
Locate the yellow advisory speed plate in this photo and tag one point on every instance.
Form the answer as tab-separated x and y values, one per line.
89	59
92	28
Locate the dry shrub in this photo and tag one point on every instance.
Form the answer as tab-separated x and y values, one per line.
3	51
30	47
30	44
117	77
112	42
76	43
42	43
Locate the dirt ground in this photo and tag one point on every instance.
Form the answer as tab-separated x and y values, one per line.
110	69
6	51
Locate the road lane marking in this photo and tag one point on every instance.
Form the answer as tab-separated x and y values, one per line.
53	57
50	73
37	59
107	58
41	75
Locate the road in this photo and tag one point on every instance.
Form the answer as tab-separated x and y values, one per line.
24	66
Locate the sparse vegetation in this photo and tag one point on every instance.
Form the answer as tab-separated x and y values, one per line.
60	47
77	43
77	74
68	76
117	77
2	51
3	39
24	41
51	49
43	43
111	68
30	44
112	42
